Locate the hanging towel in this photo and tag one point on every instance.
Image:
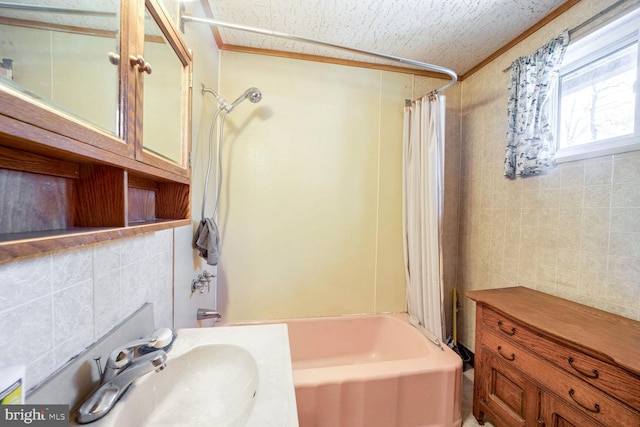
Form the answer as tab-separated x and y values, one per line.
207	241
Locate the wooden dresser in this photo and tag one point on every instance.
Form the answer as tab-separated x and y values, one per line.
544	361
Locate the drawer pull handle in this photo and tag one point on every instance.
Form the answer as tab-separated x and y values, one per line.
596	407
593	374
509	358
509	332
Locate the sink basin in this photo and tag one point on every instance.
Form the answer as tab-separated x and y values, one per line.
224	376
220	392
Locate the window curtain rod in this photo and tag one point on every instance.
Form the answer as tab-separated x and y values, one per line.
423	65
588	21
596	16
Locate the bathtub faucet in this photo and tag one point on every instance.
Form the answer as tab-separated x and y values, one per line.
206	313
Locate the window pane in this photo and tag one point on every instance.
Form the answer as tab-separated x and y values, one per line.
597	100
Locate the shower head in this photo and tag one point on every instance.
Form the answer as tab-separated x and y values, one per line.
253	94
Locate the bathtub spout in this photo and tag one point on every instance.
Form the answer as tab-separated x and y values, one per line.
205	313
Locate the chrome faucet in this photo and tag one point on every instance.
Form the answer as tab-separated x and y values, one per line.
124	365
206	313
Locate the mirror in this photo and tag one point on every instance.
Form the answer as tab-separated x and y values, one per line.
61	56
163	91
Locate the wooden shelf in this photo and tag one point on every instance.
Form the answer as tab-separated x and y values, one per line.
51	204
21	245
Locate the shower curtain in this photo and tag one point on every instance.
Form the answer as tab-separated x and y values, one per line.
422	200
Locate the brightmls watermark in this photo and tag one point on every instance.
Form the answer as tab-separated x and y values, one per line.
34	415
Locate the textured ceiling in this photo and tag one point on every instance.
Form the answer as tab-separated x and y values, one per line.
457	34
106	17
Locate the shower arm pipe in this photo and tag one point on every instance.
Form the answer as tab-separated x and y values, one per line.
423	65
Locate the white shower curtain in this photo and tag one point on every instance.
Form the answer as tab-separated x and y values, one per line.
422	200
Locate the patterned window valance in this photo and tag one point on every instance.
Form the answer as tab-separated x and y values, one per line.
530	142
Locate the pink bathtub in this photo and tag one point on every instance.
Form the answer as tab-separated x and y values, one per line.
372	370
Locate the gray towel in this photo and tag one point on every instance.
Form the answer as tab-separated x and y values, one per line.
207	241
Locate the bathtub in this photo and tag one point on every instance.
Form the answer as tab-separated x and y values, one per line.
372	370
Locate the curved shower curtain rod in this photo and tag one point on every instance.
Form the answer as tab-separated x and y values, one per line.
423	65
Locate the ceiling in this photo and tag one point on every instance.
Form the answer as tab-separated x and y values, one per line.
457	34
102	15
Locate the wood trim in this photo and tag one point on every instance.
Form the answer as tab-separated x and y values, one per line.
38	25
171	33
23	136
129	31
25	245
173	200
528	32
337	61
187	110
100	197
34	163
154	160
315	58
15	105
206	7
142	183
141	205
83	31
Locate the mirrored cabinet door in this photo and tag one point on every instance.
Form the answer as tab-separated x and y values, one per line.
65	55
162	117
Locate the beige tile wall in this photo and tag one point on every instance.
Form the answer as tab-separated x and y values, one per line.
574	232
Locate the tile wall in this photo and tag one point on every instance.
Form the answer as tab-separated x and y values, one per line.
53	307
574	232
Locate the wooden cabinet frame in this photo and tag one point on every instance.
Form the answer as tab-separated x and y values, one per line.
103	186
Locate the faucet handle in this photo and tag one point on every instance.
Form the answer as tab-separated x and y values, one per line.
121	357
161	338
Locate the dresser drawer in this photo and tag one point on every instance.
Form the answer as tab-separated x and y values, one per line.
554	413
610	379
577	394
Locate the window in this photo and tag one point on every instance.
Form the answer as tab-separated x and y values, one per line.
597	108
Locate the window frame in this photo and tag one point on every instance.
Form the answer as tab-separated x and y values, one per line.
599	43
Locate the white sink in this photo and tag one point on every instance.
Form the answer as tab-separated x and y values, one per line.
219	392
224	376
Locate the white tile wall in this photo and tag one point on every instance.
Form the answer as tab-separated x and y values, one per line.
53	307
